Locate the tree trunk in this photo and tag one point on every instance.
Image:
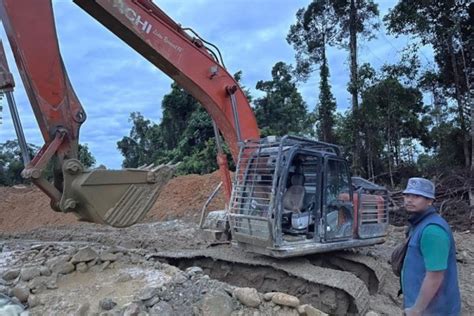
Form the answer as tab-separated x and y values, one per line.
356	163
462	121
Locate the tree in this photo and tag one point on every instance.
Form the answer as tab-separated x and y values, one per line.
282	110
336	23
11	162
143	144
85	156
391	114
447	26
326	106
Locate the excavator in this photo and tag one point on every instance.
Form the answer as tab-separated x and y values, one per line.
294	215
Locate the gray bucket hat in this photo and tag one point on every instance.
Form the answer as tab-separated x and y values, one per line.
420	186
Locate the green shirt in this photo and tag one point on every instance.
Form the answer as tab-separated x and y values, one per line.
434	246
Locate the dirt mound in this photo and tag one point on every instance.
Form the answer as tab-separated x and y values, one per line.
26	208
184	197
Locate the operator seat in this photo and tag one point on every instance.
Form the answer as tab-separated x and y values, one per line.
293	199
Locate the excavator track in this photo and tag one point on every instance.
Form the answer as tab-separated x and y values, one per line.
316	280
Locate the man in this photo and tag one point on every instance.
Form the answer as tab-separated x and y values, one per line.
429	273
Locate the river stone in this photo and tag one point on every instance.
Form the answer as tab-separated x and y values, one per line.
124	277
152	301
148	293
285	300
247	296
21	293
41	283
132	309
107	256
162	309
219	304
85	254
33	300
63	268
82	267
45	271
82	310
11	274
286	311
29	273
60	258
107	304
268	296
191	271
4	289
311	311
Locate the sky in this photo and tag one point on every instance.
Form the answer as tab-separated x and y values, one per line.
112	80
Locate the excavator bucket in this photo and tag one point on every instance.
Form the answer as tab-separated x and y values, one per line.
118	198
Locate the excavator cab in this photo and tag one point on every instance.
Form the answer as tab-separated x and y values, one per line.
293	196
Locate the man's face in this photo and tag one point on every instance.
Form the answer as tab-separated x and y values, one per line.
416	203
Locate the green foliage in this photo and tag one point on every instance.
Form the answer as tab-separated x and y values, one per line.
282	110
326	106
11	162
85	156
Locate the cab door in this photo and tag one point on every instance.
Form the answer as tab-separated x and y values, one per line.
338	212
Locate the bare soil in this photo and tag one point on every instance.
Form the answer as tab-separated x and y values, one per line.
25	217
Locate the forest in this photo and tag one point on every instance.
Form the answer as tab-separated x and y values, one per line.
405	119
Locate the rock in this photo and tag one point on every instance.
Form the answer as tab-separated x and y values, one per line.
371	313
45	271
62	267
132	309
247	296
170	270
148	293
85	254
124	277
82	267
29	273
162	309
33	300
311	311
217	305
41	283
11	274
285	300
152	301
21	293
92	263
191	271
82	310
108	257
104	265
59	259
179	278
286	311
4	289
107	304
268	296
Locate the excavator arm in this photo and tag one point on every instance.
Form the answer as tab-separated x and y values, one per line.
118	198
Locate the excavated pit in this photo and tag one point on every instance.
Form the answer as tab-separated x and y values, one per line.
369	276
267	279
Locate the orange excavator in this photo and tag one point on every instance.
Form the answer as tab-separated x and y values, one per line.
290	196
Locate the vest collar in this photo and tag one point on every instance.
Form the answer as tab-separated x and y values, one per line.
416	218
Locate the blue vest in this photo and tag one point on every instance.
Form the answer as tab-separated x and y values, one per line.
447	300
